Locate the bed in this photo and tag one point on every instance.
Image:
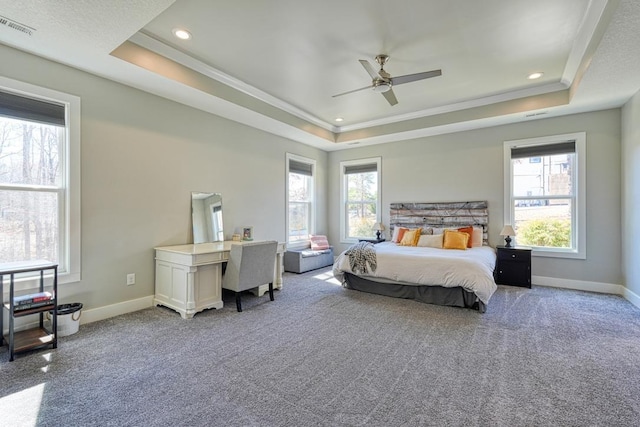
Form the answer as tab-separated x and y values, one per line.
460	278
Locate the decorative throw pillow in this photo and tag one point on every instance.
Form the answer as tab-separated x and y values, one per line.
441	230
319	243
455	240
478	236
398	233
469	231
410	237
427	230
431	241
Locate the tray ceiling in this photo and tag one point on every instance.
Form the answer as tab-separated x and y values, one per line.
275	65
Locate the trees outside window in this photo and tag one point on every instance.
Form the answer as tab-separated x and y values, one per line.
300	199
40	177
30	190
360	190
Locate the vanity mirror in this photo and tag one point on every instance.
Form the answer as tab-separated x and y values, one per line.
206	214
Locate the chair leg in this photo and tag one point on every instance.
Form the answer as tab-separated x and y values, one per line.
238	302
271	291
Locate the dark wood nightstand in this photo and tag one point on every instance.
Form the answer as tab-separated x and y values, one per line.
374	241
513	266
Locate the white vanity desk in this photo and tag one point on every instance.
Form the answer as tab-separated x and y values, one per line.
189	277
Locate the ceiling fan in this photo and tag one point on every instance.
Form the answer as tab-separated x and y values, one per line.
382	81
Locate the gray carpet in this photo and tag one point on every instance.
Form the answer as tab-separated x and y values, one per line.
321	355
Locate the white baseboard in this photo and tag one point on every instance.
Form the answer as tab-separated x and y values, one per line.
632	297
582	285
87	316
112	310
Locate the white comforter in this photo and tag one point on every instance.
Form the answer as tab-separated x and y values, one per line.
471	269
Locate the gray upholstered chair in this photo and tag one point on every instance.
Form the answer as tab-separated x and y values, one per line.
250	265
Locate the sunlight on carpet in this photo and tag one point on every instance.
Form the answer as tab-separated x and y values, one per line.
23	407
327	276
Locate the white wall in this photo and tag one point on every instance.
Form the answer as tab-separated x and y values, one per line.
142	155
469	166
631	194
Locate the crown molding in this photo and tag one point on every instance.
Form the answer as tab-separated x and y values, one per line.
148	42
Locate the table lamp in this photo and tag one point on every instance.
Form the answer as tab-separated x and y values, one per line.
379	227
507	230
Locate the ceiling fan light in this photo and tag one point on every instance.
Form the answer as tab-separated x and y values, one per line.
381	87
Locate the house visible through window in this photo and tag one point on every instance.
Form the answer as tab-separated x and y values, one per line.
545	188
360	198
39	212
300	199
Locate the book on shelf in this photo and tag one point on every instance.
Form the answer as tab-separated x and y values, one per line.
29	299
23	307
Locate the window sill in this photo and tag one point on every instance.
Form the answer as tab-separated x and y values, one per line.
558	254
28	284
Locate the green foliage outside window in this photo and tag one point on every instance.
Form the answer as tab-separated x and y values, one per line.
362	195
555	233
361	226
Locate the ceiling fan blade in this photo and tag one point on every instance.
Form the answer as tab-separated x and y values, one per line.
367	66
390	97
351	91
413	77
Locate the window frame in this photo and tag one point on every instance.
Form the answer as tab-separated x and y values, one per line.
578	215
69	219
312	202
344	194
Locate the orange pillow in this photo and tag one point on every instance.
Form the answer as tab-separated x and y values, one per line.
400	235
410	237
469	231
455	240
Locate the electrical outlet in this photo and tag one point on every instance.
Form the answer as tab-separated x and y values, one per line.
131	279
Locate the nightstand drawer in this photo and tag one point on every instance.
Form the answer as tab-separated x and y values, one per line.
513	266
513	276
514	255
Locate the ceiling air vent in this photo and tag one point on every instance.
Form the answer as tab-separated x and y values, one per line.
541	113
9	23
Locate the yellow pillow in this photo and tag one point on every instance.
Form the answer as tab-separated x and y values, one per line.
455	240
410	237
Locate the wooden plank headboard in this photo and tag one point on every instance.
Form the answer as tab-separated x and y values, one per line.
446	215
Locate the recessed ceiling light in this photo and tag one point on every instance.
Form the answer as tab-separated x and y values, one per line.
339	119
534	76
181	34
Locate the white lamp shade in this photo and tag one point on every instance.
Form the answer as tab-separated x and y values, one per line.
508	230
378	226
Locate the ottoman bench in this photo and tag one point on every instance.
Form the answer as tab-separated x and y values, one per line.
303	260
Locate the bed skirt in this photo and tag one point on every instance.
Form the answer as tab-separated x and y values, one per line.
439	295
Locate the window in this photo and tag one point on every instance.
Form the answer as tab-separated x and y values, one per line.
40	177
300	199
545	194
360	198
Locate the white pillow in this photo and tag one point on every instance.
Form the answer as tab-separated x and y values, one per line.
431	241
477	237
